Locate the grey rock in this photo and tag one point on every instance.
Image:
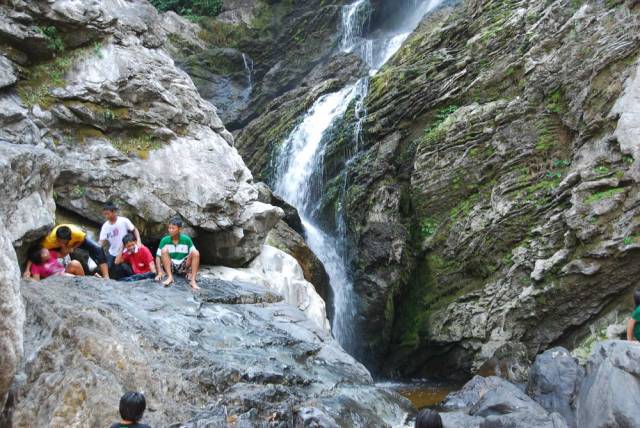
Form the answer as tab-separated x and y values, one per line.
28	209
11	314
7	72
471	393
233	352
609	392
460	420
554	379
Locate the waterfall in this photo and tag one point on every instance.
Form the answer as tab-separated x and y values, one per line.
301	154
248	68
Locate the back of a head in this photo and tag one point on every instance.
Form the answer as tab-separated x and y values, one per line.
132	406
428	419
176	221
636	298
35	256
63	233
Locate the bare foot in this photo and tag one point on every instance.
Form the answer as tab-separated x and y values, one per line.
167	282
159	277
194	286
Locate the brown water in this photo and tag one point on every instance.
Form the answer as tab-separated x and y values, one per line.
424	395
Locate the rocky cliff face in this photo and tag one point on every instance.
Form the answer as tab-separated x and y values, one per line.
232	355
91	84
495	200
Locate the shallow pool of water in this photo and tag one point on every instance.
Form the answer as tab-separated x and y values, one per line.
422	394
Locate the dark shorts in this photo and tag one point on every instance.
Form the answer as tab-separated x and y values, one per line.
95	251
181	269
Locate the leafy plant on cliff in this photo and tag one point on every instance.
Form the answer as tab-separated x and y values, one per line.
54	41
432	132
190	8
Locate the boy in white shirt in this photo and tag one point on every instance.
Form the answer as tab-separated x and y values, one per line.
113	230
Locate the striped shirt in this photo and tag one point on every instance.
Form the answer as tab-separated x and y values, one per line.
178	252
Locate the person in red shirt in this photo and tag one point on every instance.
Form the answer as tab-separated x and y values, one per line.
138	257
46	263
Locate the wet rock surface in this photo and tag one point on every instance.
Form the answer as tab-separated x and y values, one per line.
231	354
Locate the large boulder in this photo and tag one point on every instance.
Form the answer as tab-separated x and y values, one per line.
128	125
232	354
554	379
27	206
610	392
497	403
11	314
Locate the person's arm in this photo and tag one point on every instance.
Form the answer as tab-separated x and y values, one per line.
136	233
27	270
631	324
35	277
119	258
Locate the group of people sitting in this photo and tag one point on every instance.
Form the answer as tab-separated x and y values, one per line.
126	258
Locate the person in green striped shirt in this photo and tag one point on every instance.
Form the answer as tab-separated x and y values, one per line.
177	254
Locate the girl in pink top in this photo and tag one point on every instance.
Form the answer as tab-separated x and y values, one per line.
45	263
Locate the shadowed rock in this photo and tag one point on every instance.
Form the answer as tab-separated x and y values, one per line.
231	353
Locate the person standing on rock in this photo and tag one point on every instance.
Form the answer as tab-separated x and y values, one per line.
633	325
138	257
177	254
113	230
65	238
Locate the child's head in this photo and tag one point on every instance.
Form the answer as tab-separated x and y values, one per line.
39	256
636	298
428	419
175	225
63	235
132	406
110	211
129	242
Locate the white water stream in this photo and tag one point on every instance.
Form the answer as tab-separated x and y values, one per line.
302	152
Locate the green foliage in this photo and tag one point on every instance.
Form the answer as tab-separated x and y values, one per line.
40	78
432	132
428	227
97	49
555	103
54	41
560	163
601	170
192	9
139	145
599	196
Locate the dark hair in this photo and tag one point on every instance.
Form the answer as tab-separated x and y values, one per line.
110	206
132	406
35	256
128	238
428	419
176	221
636	297
63	233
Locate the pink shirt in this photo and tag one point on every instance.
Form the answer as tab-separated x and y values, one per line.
49	268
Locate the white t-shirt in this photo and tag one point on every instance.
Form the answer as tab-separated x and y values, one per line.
115	232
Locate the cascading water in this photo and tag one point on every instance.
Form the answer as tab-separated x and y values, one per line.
301	154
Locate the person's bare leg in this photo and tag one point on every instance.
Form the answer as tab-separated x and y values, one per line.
166	264
195	265
75	268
